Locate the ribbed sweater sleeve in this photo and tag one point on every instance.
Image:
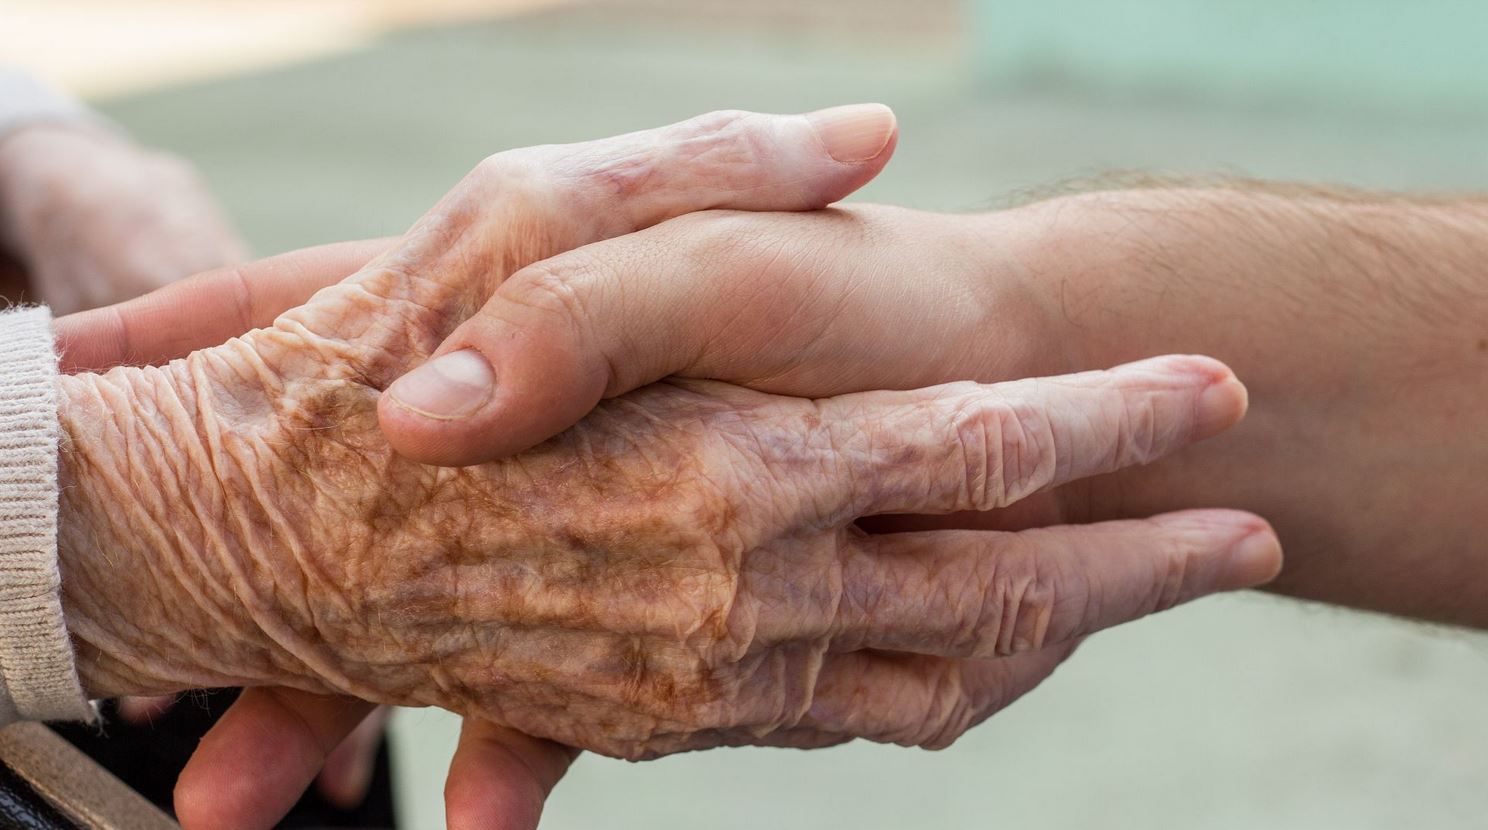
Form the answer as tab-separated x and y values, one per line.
38	677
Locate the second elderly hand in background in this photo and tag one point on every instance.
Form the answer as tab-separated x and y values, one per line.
94	219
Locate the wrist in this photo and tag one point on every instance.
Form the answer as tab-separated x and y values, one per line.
1020	329
147	563
1090	260
1353	322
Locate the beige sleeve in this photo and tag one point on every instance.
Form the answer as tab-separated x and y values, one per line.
38	678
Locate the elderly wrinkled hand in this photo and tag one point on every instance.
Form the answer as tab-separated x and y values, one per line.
680	570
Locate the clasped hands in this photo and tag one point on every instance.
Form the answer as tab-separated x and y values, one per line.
632	446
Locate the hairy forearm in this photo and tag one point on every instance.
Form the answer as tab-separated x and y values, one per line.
1360	326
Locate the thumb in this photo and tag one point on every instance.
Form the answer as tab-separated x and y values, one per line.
750	163
500	778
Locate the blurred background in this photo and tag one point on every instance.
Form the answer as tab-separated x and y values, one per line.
318	120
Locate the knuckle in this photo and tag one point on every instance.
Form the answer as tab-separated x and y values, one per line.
561	287
1139	431
715	122
1171	576
950	712
504	165
1007	451
1025	598
727	143
517	178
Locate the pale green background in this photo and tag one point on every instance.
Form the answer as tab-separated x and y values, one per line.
1242	712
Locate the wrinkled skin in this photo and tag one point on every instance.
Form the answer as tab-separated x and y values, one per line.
678	571
726	159
96	219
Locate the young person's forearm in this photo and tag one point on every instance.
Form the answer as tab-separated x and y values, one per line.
1360	326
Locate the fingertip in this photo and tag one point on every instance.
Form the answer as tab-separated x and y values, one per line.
1221	400
1197	367
258	759
453	386
490	789
236	778
445	443
1241	549
855	133
858	140
348	771
1221	405
1256	559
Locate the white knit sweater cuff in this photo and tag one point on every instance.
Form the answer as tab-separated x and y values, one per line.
38	678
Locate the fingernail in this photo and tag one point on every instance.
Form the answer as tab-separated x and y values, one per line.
447	387
1255	560
1220	407
856	132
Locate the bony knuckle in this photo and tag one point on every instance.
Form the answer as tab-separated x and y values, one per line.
715	122
1139	432
949	714
495	166
1171	578
1007	450
559	287
1027	597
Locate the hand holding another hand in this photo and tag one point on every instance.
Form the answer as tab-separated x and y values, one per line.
680	570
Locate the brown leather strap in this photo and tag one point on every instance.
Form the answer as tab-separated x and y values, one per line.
75	785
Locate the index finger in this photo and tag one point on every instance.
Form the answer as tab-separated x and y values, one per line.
978	447
206	309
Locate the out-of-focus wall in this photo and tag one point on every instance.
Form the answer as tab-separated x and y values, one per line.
1419	56
107	48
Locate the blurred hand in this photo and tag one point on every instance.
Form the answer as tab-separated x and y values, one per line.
95	219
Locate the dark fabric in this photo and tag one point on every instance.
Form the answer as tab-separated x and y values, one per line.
23	808
149	758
